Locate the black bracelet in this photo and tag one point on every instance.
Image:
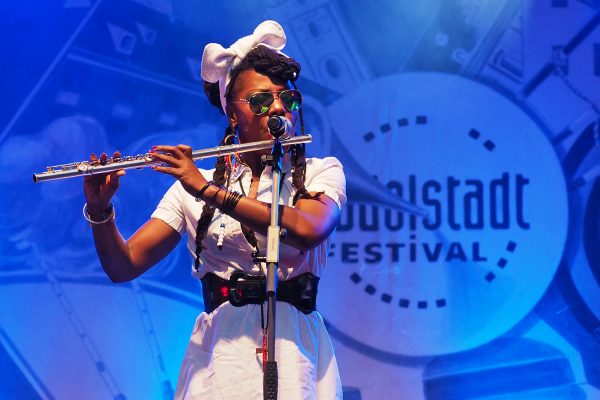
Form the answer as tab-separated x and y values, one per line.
230	201
202	190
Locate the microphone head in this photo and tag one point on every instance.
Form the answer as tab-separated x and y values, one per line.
280	127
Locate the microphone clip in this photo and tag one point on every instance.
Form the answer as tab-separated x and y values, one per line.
279	127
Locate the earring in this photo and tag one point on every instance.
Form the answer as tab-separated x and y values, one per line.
235	137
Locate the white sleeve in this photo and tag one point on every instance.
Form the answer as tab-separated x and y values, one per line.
170	208
327	176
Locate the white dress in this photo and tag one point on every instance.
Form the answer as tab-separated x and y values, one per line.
221	361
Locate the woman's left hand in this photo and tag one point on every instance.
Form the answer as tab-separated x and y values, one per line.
179	164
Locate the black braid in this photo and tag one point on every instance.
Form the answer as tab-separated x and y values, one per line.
298	153
220	176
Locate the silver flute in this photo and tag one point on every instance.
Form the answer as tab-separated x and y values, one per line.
139	161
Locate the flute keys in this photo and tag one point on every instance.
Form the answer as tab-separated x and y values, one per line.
83	166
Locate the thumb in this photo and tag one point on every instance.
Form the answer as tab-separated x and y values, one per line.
112	179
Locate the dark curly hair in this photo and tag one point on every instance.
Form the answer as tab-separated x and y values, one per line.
278	67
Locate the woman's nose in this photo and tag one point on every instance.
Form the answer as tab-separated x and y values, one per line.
277	106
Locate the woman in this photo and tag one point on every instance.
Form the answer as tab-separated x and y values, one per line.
225	213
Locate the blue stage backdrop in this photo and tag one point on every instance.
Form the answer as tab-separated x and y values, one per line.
467	261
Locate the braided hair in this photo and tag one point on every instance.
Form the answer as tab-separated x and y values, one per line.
267	62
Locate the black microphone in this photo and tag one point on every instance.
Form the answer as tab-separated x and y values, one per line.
280	127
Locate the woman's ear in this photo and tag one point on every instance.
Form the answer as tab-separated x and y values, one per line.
231	118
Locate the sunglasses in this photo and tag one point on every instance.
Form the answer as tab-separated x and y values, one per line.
260	102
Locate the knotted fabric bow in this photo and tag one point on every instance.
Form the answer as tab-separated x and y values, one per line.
217	62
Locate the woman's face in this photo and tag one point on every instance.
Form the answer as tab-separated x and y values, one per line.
252	127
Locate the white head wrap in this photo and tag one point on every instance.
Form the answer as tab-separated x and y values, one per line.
218	62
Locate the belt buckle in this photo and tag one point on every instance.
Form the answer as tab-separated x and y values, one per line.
242	292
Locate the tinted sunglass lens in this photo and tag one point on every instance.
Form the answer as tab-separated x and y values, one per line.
260	102
291	99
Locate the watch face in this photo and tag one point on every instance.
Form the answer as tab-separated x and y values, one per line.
489	227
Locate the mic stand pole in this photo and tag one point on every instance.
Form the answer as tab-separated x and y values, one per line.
274	234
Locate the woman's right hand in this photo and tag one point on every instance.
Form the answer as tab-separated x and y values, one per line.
99	189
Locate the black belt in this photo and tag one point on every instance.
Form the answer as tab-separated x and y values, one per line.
242	289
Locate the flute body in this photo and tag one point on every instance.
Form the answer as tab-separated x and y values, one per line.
139	161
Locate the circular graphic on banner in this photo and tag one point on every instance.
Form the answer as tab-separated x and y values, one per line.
583	253
493	192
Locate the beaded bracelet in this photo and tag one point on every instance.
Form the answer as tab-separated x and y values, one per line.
108	214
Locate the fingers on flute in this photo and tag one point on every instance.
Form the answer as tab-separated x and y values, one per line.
185	149
117	174
174	151
103	159
95	178
165	170
162	148
163	157
113	178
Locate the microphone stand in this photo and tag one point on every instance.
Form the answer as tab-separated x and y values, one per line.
274	234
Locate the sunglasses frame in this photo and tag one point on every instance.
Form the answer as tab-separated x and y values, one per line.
273	96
